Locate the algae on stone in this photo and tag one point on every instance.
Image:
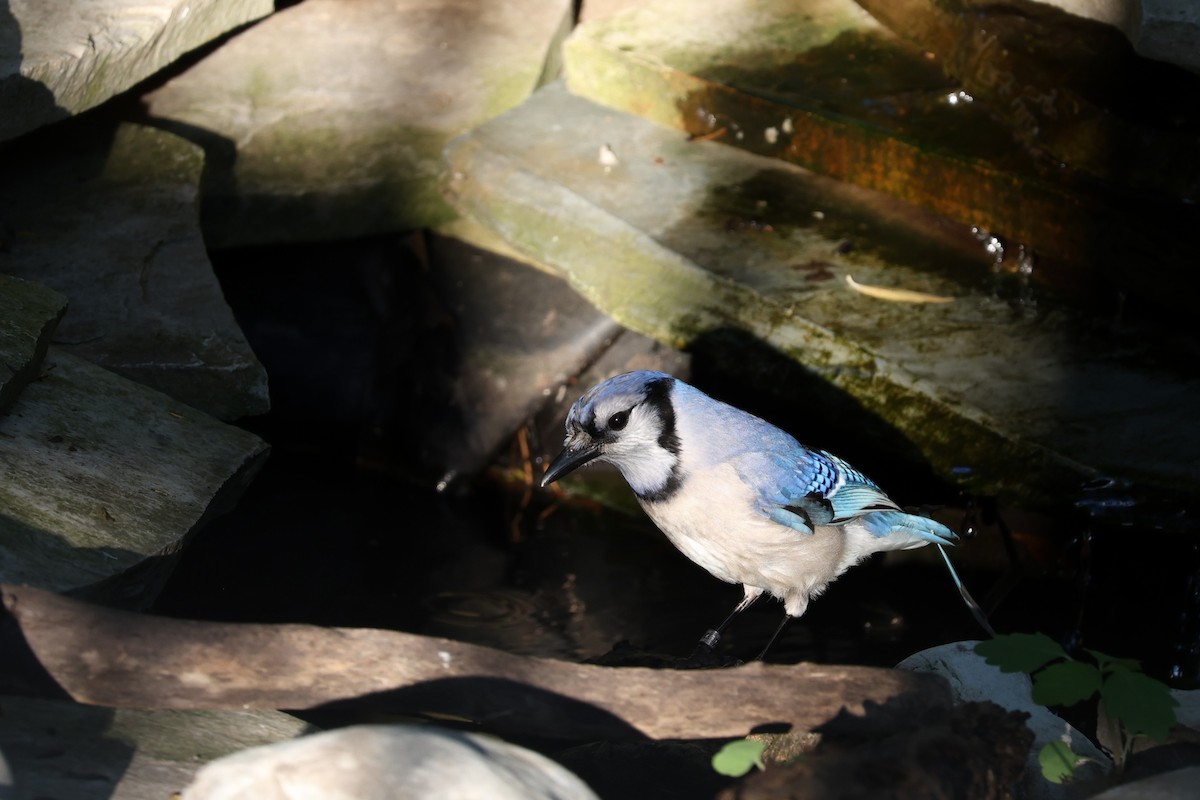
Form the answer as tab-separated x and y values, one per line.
987	394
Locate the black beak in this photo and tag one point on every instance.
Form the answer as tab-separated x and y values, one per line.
568	461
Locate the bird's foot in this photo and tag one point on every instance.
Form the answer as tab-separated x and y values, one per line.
709	640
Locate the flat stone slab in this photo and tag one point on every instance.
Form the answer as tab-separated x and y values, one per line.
327	120
109	218
57	748
100	475
29	314
683	241
61	58
831	90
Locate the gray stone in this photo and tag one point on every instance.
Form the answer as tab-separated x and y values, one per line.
387	762
682	241
326	121
1169	30
61	58
1180	784
973	679
1165	30
1187	710
109	219
57	748
29	314
102	480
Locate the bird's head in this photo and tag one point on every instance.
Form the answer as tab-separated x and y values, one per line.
628	421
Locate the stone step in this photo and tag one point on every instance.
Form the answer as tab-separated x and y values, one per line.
695	243
832	90
29	313
327	120
65	57
102	480
108	216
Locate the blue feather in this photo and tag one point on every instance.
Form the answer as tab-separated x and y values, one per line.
897	523
690	460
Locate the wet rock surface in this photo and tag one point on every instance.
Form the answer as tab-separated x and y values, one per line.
835	91
1065	87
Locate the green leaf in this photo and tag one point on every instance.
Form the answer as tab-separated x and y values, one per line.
1020	652
1109	663
1140	703
1065	683
735	759
1057	761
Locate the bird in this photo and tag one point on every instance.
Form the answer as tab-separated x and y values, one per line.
739	496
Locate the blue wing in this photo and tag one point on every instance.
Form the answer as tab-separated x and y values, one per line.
805	489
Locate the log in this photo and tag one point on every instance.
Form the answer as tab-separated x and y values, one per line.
122	659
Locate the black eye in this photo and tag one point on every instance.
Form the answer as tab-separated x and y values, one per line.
618	420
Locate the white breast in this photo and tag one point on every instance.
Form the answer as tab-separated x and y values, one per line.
713	520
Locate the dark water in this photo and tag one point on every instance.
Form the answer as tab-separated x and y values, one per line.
344	527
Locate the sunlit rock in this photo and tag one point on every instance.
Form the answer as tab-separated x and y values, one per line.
327	120
63	57
387	762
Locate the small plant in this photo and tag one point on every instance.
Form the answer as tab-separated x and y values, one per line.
1131	703
735	759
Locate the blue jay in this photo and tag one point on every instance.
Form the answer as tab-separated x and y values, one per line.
737	495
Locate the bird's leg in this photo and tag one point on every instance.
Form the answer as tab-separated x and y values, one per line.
713	635
786	619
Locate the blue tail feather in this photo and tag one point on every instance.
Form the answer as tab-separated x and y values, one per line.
893	523
976	610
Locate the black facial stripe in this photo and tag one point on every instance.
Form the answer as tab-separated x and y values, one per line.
658	396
